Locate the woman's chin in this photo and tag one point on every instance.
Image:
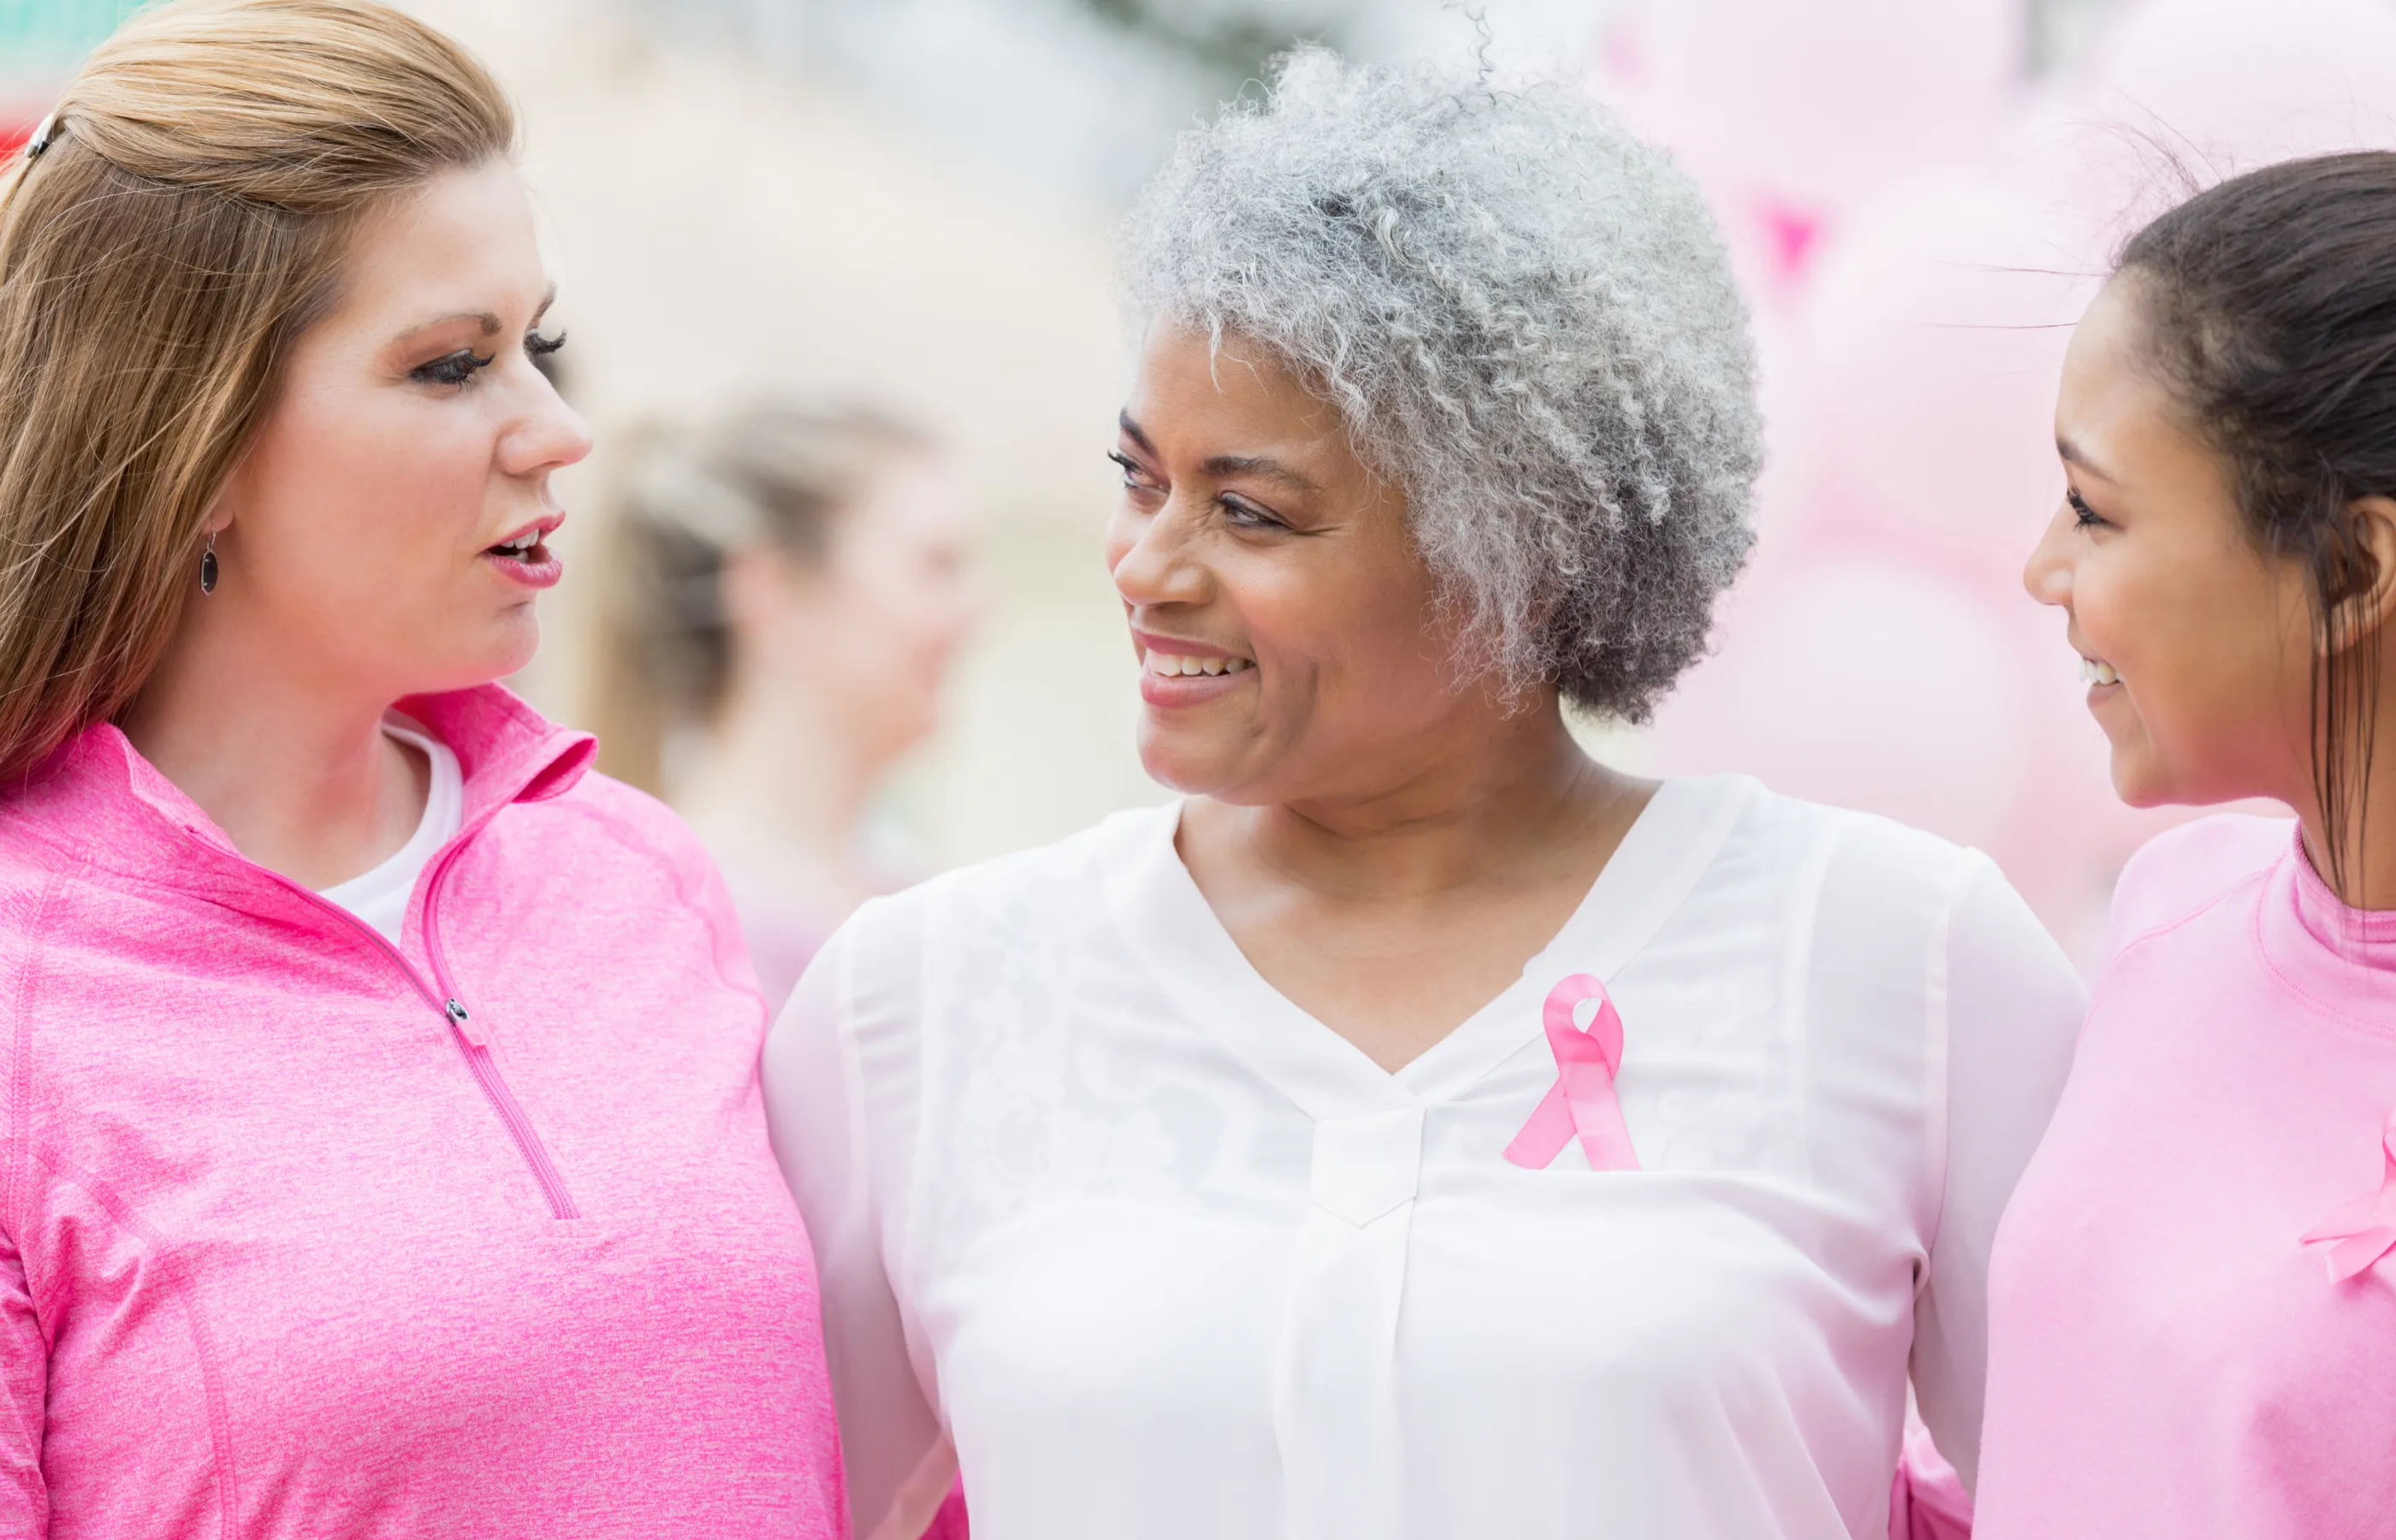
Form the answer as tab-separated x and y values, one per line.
1172	774
517	643
2138	781
1182	761
509	650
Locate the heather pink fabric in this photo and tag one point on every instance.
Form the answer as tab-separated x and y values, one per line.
285	1252
1926	1500
2166	1355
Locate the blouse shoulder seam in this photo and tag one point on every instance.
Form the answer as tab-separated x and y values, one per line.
1938	1041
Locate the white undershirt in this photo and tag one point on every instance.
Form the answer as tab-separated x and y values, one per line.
1153	1252
379	896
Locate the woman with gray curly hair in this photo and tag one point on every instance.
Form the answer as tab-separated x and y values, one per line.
1421	1128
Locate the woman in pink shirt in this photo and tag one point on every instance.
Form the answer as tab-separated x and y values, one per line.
380	1145
2193	1291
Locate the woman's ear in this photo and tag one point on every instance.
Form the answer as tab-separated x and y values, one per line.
221	506
757	585
2370	555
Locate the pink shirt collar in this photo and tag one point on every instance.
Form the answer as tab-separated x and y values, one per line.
2341	960
98	793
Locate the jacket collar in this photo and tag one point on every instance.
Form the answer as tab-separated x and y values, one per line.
99	791
507	751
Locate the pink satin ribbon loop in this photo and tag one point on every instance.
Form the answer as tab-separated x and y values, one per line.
1581	1104
2364	1228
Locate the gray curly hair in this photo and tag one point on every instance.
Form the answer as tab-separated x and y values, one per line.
1528	324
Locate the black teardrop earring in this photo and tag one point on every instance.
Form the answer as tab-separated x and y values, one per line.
209	566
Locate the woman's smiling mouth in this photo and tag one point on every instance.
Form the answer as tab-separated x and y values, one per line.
1170	665
1177	673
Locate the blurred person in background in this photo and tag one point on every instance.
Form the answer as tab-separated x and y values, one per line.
789	589
384	1151
1260	1164
2192	1310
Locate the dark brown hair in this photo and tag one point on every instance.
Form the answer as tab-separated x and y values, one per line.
2269	302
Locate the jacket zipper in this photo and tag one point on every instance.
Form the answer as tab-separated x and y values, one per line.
478	1053
469	1039
511	1111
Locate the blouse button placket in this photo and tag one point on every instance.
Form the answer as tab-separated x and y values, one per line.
1334	1382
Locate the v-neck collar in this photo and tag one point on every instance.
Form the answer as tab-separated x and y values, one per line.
1175	936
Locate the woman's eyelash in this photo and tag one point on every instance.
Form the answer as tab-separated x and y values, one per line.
1236	510
452	368
461	367
2080	507
1246	514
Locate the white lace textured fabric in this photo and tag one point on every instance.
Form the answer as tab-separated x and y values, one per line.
1155	1253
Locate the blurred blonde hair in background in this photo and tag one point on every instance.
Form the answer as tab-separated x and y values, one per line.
783	591
681	504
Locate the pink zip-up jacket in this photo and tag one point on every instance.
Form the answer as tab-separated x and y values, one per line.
304	1235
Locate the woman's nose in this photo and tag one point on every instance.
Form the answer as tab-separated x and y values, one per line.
1151	558
549	436
2047	574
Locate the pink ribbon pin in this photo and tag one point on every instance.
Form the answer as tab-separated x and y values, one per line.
1581	1103
2365	1229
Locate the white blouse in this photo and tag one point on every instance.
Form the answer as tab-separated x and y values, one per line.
1154	1253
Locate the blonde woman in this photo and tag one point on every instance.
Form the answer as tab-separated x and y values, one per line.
790	587
382	1150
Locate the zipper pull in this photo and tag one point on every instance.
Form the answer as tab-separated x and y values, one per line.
458	1018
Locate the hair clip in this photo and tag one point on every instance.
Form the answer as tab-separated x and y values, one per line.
42	136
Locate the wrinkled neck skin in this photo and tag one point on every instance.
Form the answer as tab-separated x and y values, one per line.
281	746
1474	803
779	788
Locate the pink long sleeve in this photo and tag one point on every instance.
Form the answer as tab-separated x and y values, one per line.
24	1370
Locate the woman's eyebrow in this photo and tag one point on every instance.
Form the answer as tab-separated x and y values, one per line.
483	319
1259	466
2074	455
1132	430
1225	465
488	320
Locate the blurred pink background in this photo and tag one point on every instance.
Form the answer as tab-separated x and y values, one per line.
905	203
1919	219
